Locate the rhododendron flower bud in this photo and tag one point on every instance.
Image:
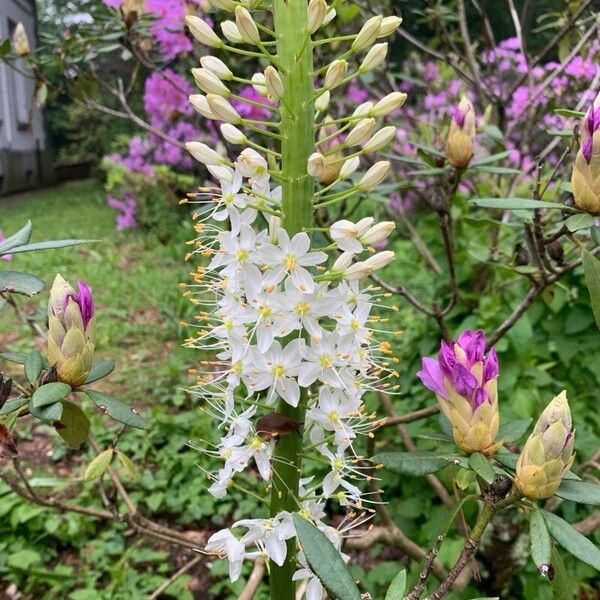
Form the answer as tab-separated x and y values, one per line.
349	167
317	9
216	66
209	83
374	176
464	380
223	109
548	452
322	102
335	73
585	178
378	233
246	25
203	32
202	153
20	40
316	164
360	132
375	56
233	135
200	104
459	147
368	33
388	104
273	83
231	32
389	25
71	331
380	139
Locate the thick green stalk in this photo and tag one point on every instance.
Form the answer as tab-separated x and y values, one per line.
297	131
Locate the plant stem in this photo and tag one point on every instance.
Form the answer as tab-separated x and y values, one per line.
297	131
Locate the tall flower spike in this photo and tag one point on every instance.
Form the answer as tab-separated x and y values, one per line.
459	147
464	379
548	451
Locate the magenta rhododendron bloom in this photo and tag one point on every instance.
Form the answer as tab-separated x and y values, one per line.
4	256
166	98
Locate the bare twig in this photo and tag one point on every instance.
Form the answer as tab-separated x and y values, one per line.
254	581
589	524
416	415
187	567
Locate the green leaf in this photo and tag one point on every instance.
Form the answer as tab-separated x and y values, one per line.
98	466
100	369
397	587
73	426
539	539
116	409
15	282
49	245
128	465
497	170
427	172
595	232
516	204
17	239
487	160
50	412
413	463
14	404
481	465
33	366
571	540
591	268
562	587
49	394
579	221
515	430
325	561
567	112
583	492
16	357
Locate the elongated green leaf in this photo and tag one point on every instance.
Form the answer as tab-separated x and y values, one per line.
579	221
539	539
15	282
571	540
583	492
20	358
488	160
49	412
481	465
325	561
595	233
33	366
49	394
413	463
567	112
17	239
428	172
98	466
516	204
515	430
397	587
116	409
562	588
100	369
14	404
591	268
497	170
49	245
73	426
128	465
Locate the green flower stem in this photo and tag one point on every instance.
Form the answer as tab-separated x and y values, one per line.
297	130
268	107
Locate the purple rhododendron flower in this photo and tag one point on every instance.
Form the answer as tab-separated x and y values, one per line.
247	111
4	256
84	299
113	3
126	207
166	98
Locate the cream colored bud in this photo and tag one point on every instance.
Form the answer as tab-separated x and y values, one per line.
223	109
246	25
389	25
380	260
203	32
200	104
317	9
378	233
209	83
202	153
322	102
274	226
233	135
358	270
20	40
220	172
316	164
375	56
330	16
364	225
368	34
360	132
228	5
335	73
273	83
258	83
216	66
231	32
343	261
374	176
349	167
363	110
381	139
388	104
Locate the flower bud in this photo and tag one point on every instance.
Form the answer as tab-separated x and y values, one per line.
71	331
200	104
274	226
360	132
231	32
203	32
273	83
20	40
459	147
233	135
228	5
317	9
359	270
375	56
368	34
220	172
389	25
343	261
585	177
216	66
322	102
349	167
344	234
246	25
333	152
381	139
223	109
464	381
202	153
374	176
548	452
363	110
335	73
209	83
331	13
388	104
316	164
258	83
364	225
377	233
380	260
